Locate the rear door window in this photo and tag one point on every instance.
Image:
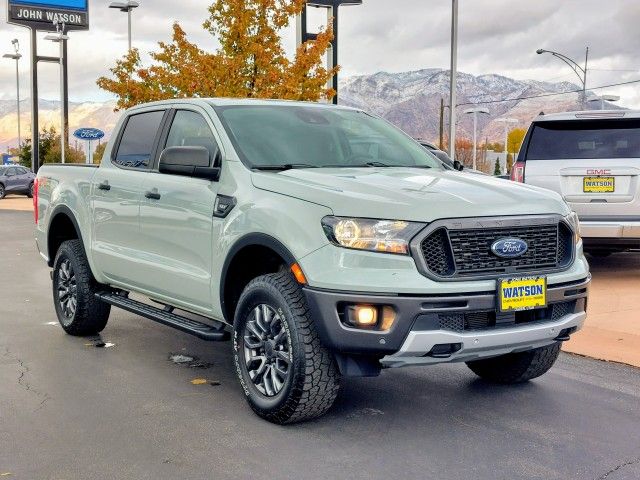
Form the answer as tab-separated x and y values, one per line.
138	140
585	139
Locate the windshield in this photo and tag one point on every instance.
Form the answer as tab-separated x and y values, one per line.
597	139
313	137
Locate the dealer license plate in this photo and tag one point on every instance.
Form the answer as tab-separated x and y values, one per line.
522	293
598	184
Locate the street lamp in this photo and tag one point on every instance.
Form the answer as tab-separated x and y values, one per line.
126	7
506	122
579	71
59	37
16	56
605	98
475	112
453	79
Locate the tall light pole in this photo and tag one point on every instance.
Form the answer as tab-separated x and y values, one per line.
506	122
605	98
475	112
579	71
60	38
126	7
16	56
453	79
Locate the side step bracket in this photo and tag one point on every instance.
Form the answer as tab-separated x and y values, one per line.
165	317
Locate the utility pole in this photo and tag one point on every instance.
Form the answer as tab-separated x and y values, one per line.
441	146
453	79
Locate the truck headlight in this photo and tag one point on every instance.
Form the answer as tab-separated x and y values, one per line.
573	220
388	236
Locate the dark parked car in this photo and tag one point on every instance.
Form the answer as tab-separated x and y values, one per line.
16	179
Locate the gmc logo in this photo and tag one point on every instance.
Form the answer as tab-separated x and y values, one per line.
596	171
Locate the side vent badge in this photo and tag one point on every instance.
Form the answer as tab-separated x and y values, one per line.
223	206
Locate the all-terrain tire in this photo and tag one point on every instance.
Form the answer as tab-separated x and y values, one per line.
517	367
313	381
72	274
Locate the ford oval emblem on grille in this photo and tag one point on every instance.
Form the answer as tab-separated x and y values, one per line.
509	247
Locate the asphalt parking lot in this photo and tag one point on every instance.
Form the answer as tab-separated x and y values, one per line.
69	410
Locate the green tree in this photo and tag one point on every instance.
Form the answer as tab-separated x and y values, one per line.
251	60
497	169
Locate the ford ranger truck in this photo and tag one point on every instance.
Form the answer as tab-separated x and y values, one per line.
321	240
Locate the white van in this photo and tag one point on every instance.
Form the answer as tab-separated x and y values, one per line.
592	159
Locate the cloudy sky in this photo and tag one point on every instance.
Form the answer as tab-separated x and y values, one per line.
496	36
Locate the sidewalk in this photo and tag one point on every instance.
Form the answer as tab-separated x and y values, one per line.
16	202
612	329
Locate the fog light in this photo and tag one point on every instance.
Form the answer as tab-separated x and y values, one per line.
366	316
370	317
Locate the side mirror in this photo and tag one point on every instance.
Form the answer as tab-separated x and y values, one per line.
458	166
188	162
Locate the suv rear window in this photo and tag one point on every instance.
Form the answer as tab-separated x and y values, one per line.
585	139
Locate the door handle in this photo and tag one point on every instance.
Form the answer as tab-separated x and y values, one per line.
153	195
104	186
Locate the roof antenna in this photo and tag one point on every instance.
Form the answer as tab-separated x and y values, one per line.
541	113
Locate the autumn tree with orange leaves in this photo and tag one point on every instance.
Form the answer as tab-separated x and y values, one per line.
250	63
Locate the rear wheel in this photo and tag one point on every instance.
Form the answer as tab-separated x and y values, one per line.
2	191
517	367
30	191
286	373
80	313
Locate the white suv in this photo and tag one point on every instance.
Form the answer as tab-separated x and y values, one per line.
593	160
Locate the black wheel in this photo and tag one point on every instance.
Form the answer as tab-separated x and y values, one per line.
74	288
517	367
30	191
286	373
2	191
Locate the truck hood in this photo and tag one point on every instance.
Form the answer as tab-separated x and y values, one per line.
412	194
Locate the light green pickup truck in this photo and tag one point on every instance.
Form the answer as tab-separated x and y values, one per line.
323	241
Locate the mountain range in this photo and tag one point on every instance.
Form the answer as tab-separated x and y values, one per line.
411	100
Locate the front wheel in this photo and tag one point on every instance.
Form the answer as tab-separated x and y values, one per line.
2	191
517	367
286	373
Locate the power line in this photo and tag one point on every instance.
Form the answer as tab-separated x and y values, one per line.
546	94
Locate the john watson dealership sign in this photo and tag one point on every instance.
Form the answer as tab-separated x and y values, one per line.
43	14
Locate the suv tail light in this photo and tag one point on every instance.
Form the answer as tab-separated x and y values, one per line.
35	200
517	172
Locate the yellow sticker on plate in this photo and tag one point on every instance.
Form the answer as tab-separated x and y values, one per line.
525	293
599	184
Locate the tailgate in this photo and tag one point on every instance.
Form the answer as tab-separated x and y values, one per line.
593	164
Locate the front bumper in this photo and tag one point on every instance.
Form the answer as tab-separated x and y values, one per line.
609	229
418	326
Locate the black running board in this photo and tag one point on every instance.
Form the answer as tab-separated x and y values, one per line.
165	317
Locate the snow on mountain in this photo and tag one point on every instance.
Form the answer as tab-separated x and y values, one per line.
411	100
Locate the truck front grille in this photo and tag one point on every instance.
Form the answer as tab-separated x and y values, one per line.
466	253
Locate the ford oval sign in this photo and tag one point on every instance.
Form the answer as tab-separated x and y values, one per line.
509	247
88	134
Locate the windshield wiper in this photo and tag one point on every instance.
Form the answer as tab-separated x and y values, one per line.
283	167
